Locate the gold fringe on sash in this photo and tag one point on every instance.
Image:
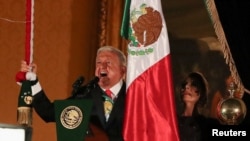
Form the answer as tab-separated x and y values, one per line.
24	116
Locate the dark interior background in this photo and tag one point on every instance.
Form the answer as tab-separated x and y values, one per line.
194	46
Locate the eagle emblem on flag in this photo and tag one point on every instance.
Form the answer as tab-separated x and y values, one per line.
145	26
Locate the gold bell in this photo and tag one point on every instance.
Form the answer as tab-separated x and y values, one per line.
231	111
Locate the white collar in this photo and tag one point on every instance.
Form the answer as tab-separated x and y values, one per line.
116	88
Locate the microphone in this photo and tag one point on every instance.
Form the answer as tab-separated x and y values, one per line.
93	82
91	85
77	84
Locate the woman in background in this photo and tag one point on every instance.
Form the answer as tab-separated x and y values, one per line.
193	126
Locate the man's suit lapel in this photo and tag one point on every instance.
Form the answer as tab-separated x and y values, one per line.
98	99
118	105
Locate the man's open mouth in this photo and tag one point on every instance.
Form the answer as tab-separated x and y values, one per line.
103	74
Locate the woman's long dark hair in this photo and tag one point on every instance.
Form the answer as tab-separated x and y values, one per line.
198	81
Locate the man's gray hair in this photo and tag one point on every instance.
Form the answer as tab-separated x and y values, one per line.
118	52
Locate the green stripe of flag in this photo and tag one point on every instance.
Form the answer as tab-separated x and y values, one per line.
125	20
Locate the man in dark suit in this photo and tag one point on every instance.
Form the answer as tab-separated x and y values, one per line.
110	72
